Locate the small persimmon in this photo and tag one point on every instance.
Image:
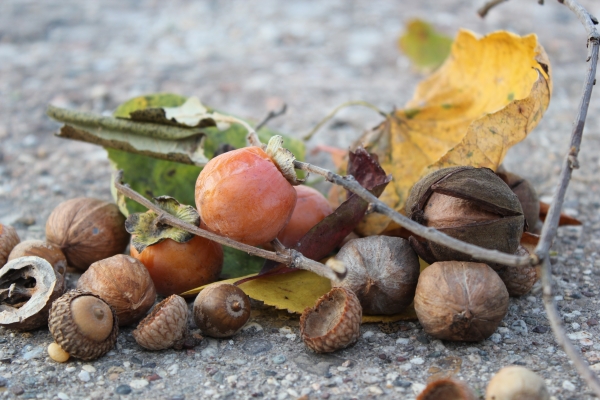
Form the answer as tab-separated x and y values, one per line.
311	208
178	267
242	195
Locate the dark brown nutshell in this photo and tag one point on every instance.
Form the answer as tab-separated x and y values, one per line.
530	202
518	280
221	310
124	283
382	271
87	230
83	324
333	323
8	240
458	300
470	204
447	389
28	286
165	326
48	252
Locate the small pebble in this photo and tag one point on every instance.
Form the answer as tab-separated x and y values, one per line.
62	396
123	389
17	390
219	377
177	397
496	338
423	338
3	381
375	390
567	385
136	360
520	327
367	334
434	354
269	373
403	341
138	383
84	376
592	322
540	329
279	359
401	383
417	361
89	369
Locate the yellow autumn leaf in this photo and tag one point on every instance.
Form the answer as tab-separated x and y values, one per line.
487	96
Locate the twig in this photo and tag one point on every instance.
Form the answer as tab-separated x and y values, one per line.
335	111
272	114
290	257
488	6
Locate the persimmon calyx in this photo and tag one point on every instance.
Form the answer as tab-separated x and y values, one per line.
283	159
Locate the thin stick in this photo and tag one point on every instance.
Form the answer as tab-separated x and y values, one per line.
272	114
488	6
290	257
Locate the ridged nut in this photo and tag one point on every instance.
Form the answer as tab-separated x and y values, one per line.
8	240
333	323
166	325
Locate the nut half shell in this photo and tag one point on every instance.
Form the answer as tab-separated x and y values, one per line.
333	323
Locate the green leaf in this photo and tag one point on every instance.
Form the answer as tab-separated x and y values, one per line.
425	47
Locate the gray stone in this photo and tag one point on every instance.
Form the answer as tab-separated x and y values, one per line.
257	346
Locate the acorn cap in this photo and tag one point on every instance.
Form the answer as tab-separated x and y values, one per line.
165	326
333	323
83	324
8	240
23	307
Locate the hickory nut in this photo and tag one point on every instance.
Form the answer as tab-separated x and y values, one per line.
470	204
165	327
8	240
221	310
527	195
516	382
460	300
83	325
87	230
333	323
382	271
124	283
447	389
518	280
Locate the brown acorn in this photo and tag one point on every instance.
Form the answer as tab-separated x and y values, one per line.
470	204
333	323
165	326
124	283
83	325
87	230
221	310
382	271
458	300
8	240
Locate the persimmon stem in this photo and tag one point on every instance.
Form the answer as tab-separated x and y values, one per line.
290	257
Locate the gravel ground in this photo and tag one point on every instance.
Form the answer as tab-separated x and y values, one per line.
248	57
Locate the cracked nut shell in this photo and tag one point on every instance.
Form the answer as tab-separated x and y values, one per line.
382	271
124	283
221	310
83	324
460	300
470	204
45	250
8	240
87	230
165	326
333	323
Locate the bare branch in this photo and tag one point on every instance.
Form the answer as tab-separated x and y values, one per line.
488	6
290	257
272	114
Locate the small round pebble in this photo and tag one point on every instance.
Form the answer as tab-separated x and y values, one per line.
279	359
123	389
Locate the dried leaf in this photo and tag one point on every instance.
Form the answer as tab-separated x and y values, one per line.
564	218
487	97
425	47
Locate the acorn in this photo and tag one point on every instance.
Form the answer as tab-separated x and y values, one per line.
45	250
382	271
530	202
516	382
458	300
470	204
87	230
333	323
221	310
28	286
124	283
165	326
83	324
8	240
447	389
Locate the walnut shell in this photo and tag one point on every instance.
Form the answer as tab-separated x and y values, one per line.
460	300
382	271
48	252
124	283
28	286
84	331
87	230
447	389
8	240
221	310
165	326
333	323
470	204
518	280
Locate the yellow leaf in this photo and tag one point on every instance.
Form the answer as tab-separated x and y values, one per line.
425	47
488	95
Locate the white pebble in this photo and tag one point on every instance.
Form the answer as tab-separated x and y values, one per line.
173	369
568	386
401	341
417	361
286	330
70	369
367	334
84	376
89	369
62	396
138	383
375	390
575	326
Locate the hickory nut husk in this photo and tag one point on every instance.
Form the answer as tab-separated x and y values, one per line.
8	240
124	283
458	300
470	204
518	279
333	323
165	326
382	271
527	195
87	230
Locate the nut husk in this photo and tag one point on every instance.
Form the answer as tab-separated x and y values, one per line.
520	279
8	240
447	389
333	323
28	286
458	300
87	230
124	283
382	271
74	328
527	195
516	382
165	326
470	204
221	310
48	252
